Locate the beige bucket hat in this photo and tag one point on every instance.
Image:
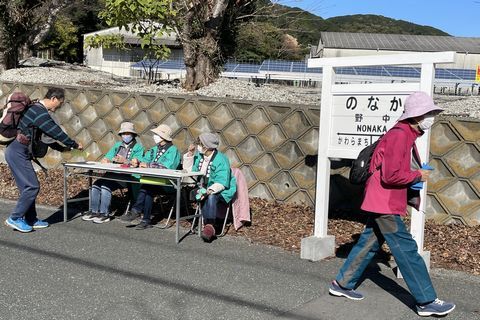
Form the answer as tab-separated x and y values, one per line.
127	127
163	131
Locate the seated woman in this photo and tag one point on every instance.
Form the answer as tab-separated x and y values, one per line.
163	155
218	180
122	152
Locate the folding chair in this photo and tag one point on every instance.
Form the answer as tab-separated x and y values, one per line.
225	219
172	209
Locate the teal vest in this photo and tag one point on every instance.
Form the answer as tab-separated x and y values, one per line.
220	172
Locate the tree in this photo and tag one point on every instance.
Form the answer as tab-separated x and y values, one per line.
148	19
63	38
23	24
261	40
206	30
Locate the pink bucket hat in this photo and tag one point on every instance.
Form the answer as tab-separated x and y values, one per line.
417	104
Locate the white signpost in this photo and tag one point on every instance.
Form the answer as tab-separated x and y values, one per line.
353	116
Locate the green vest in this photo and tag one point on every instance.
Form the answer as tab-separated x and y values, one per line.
170	159
220	172
137	151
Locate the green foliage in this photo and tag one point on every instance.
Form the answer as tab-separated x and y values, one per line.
301	24
84	15
18	22
63	38
260	38
107	41
377	24
260	41
147	18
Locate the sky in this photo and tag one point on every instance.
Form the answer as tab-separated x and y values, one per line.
459	18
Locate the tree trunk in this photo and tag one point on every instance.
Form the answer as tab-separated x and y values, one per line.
8	58
201	68
31	22
201	49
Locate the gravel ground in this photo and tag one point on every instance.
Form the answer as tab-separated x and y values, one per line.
66	74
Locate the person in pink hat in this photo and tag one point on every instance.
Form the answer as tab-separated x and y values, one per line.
387	193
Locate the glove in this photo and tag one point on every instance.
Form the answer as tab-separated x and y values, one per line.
419	184
200	193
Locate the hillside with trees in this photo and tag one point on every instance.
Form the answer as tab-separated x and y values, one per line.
281	32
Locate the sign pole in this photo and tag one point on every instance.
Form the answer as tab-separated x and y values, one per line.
321	245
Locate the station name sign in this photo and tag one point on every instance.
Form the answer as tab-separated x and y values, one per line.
359	120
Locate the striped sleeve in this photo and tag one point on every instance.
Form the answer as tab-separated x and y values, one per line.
41	119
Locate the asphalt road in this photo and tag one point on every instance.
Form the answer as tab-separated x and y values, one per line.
80	270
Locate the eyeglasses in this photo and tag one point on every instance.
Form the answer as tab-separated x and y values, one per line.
61	100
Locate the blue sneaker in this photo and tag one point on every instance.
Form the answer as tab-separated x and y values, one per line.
18	224
40	224
435	308
336	290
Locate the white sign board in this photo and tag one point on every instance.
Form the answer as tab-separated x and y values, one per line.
359	120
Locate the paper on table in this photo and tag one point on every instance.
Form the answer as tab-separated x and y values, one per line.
78	153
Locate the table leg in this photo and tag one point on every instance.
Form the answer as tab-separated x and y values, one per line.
65	194
177	209
90	173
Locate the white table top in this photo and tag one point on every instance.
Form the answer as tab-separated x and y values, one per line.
113	167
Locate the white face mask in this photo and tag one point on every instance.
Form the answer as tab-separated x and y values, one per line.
200	149
127	138
426	123
157	139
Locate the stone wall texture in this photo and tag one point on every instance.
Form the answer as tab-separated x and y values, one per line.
274	144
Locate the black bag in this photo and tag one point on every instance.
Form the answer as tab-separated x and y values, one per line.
37	148
359	171
40	142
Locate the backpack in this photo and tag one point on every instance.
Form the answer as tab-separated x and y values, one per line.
17	104
40	142
359	170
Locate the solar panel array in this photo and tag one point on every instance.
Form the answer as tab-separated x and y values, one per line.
399	42
269	67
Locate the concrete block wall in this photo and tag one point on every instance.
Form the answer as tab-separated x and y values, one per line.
273	144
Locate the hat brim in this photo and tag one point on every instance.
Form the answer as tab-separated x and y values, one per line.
127	131
418	113
162	135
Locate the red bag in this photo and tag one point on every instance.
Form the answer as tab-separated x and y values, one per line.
17	104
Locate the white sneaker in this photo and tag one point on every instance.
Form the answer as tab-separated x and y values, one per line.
89	216
101	219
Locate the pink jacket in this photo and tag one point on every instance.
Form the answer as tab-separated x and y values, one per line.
240	204
386	189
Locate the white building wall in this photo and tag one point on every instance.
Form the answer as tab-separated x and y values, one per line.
462	60
119	62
